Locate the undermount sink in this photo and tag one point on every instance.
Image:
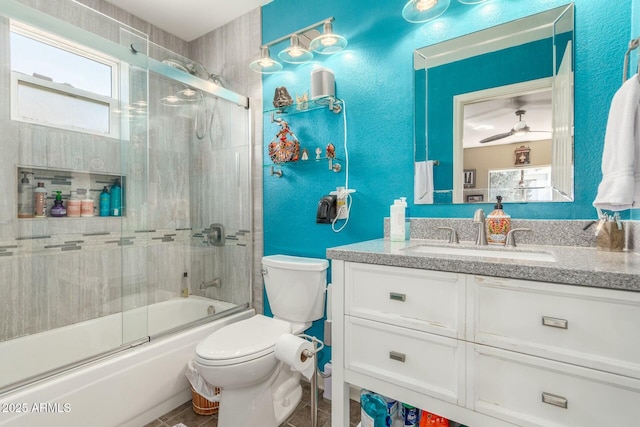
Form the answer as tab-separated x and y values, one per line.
482	252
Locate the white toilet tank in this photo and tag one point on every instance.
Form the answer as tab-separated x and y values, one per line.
295	286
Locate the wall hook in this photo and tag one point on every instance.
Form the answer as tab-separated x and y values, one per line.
275	172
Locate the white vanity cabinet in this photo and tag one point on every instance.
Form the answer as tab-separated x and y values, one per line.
486	351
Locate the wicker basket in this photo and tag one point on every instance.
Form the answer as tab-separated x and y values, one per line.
201	405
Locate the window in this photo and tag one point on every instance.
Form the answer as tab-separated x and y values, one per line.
521	184
61	84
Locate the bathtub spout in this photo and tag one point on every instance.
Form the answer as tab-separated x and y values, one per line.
216	283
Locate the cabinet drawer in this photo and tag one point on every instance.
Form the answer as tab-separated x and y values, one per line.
532	391
596	328
429	301
419	361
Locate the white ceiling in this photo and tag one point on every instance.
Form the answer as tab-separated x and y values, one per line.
188	19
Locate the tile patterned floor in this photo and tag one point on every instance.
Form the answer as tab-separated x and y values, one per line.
301	417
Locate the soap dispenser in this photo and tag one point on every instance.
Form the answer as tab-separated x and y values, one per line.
58	209
498	224
25	197
396	223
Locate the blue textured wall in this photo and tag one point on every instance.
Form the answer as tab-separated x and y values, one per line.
375	77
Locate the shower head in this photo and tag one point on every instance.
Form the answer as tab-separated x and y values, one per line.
176	64
196	69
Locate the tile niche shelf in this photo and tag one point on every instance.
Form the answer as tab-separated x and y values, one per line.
66	181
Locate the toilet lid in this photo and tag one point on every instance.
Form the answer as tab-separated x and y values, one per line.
241	341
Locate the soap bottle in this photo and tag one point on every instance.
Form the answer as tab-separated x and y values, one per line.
396	223
58	209
25	197
86	205
40	196
498	224
105	202
115	203
407	219
73	205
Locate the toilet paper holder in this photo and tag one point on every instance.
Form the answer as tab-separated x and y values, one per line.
317	346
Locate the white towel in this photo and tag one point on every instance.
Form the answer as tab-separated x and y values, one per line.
423	183
620	185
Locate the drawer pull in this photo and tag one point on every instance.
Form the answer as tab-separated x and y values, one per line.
397	297
554	322
400	357
555	400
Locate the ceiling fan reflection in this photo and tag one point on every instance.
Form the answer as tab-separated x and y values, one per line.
520	128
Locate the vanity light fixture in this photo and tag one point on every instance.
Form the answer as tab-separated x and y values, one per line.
296	53
302	43
417	11
328	43
265	64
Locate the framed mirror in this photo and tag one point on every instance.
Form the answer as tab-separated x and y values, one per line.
498	102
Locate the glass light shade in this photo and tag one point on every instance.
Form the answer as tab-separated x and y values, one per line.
328	42
417	11
264	64
295	54
471	1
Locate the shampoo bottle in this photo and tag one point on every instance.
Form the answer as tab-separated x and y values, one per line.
105	202
396	224
115	203
58	208
40	196
25	197
498	224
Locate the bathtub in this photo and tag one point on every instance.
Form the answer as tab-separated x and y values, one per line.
128	388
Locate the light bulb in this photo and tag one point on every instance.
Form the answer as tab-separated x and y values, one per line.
264	64
328	43
423	5
417	11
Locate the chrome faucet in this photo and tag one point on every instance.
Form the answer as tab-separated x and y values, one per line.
453	235
511	236
478	218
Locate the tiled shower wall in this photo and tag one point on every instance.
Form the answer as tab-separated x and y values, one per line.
84	268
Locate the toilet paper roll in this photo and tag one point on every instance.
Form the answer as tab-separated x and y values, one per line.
290	350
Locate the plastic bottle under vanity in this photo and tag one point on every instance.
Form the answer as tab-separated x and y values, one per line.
73	205
115	202
396	222
105	202
373	412
40	198
58	210
498	224
25	197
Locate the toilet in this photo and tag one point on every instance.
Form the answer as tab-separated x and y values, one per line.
256	388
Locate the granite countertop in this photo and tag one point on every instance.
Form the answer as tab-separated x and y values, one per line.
584	266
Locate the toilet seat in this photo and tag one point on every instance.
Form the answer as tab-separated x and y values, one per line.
241	341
